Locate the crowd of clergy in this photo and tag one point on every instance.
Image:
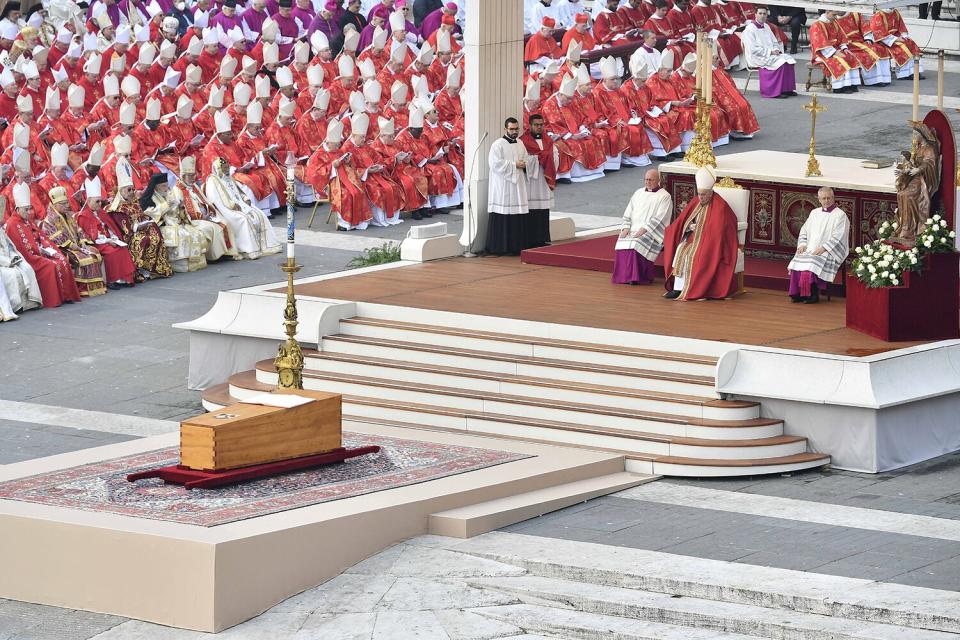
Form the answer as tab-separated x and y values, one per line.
146	138
849	49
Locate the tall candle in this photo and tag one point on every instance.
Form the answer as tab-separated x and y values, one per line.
940	80
916	88
708	77
699	61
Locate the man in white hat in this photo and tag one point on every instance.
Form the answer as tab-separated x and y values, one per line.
609	133
188	193
186	244
250	230
34	145
507	197
61	229
582	155
666	97
402	169
287	146
330	170
442	136
52	268
612	106
100	227
396	108
107	106
444	186
700	246
659	126
312	128
641	233
166	56
447	101
244	160
141	232
386	196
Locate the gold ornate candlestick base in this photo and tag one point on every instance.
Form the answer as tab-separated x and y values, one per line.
700	153
814	107
289	360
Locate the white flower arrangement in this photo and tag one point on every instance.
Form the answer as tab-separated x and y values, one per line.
878	264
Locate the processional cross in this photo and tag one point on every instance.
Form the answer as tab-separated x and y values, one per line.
813	167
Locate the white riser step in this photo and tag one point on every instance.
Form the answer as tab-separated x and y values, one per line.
707	470
447	379
543	372
406	334
508	407
698	613
567	623
413	416
653	447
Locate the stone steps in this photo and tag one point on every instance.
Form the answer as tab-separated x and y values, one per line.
698	613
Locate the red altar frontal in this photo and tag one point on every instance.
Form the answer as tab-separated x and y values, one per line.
780	202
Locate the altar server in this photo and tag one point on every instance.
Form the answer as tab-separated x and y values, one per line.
541	181
822	246
762	49
641	232
508	201
700	246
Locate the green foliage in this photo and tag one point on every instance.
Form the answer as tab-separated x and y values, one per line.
387	252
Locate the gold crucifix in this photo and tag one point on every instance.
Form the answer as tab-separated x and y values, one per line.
813	167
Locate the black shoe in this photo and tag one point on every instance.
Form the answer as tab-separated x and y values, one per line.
796	299
440	211
782	96
672	295
564	181
113	286
426	213
793	51
814	296
416	215
855	89
790	93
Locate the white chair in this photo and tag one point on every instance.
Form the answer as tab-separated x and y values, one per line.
739	200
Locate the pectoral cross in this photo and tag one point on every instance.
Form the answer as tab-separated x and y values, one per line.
813	167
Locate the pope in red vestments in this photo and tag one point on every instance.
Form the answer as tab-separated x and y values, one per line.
700	246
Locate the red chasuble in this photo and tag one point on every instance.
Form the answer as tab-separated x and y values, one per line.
54	274
613	106
714	250
824	35
890	23
561	121
347	197
719	126
441	180
640	101
867	53
412	179
117	261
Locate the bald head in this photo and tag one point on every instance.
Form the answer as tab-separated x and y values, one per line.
652	179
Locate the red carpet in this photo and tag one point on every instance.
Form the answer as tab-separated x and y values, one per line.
596	254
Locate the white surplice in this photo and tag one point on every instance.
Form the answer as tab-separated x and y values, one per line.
539	193
507	187
827	229
650	210
759	45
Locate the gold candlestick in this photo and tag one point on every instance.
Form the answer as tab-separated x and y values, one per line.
940	80
814	107
700	153
289	360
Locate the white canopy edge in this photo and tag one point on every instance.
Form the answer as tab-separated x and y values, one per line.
867	7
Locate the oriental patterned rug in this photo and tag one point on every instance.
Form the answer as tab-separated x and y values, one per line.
102	486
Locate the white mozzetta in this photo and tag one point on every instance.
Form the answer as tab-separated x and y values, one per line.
783	167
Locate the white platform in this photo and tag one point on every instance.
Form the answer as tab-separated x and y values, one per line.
789	168
211	578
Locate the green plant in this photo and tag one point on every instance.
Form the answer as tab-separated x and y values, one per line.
387	252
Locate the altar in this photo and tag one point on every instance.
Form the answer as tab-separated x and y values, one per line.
782	197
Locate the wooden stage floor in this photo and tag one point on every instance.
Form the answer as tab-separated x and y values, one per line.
505	287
